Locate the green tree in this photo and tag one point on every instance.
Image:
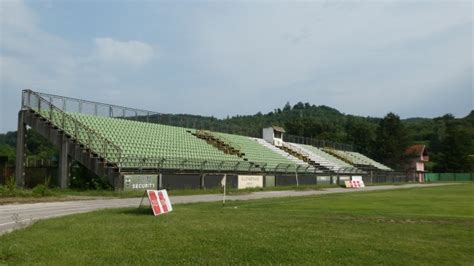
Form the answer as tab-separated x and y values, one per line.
391	141
455	149
361	134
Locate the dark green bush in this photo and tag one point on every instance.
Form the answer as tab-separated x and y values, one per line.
10	186
41	190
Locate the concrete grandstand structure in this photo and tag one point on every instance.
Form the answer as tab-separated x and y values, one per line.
113	142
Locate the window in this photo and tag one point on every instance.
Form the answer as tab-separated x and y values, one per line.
276	134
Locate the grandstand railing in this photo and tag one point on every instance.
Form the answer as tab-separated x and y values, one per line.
160	163
221	138
226	140
296	149
73	105
174	163
318	142
91	139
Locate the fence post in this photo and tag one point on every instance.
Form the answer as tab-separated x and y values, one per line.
202	181
160	181
297	182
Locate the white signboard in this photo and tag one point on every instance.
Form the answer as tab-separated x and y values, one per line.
249	181
159	201
356	178
139	182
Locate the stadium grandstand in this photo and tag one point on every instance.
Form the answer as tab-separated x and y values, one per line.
119	143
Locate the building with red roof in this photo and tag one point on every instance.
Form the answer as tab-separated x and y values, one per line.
417	156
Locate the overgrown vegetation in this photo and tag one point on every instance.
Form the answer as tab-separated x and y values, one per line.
10	190
435	226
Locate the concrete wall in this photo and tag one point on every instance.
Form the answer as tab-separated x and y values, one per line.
268	134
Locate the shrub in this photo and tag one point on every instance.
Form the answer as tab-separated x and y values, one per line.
10	186
41	190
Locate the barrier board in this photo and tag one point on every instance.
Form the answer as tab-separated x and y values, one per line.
249	181
159	201
354	184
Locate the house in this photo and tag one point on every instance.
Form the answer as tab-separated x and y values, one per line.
417	156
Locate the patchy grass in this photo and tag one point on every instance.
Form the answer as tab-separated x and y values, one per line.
402	227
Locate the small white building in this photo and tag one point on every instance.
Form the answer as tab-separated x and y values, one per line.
274	135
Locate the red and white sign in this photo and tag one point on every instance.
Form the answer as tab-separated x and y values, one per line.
354	184
159	201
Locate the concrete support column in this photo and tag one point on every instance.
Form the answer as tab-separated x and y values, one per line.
63	174
160	181
203	186
118	182
20	151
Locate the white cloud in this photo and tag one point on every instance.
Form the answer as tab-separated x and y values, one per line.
127	52
348	56
33	58
365	58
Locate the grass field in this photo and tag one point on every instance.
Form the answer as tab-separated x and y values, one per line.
400	227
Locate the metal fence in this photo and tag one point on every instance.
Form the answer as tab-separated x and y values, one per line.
157	164
91	139
440	177
68	104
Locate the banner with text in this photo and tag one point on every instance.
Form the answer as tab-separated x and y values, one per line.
249	181
139	182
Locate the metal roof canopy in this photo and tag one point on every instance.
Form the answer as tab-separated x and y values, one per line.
279	129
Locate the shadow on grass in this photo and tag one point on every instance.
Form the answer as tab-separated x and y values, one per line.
143	210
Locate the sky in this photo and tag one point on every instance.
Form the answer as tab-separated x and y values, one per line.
368	58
